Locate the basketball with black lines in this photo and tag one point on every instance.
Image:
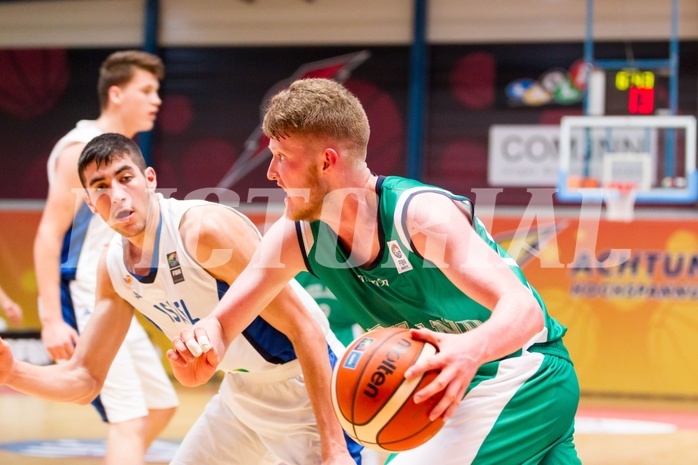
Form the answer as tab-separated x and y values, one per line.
372	398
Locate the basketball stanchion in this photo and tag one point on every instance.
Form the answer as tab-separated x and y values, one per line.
619	198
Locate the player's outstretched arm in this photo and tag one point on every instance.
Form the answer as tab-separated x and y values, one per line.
80	379
444	235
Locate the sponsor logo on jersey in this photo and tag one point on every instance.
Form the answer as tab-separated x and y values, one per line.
399	258
376	282
175	267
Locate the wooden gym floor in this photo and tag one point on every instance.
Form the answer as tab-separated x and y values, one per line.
610	431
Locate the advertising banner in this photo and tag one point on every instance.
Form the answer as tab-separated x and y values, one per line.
627	293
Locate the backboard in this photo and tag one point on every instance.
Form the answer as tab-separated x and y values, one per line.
655	153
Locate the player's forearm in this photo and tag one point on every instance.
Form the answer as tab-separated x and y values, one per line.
515	320
58	383
317	372
247	296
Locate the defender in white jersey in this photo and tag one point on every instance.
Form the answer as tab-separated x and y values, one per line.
172	260
138	399
262	400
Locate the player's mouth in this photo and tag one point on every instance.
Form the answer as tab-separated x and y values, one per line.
123	215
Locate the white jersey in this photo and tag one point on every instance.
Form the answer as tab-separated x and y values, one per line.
179	292
89	234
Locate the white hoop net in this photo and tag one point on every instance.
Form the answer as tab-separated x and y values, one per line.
619	198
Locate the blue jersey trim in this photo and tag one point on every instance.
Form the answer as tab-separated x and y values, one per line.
73	241
269	342
67	308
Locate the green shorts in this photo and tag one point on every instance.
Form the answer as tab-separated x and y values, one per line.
518	411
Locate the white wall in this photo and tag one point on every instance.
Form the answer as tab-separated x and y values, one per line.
105	23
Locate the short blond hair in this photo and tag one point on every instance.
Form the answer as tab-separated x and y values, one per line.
319	108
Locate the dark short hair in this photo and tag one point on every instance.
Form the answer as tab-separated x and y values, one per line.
105	148
119	67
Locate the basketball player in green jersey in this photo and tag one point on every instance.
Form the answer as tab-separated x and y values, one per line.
401	253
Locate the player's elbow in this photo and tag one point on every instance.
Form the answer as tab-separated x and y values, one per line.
534	314
89	390
527	311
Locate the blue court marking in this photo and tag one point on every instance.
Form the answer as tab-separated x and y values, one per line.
160	451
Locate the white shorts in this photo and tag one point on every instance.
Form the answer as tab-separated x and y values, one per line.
256	418
136	381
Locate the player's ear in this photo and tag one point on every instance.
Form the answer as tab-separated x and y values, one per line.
150	177
330	157
89	203
114	94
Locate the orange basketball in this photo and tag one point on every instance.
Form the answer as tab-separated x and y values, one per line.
372	398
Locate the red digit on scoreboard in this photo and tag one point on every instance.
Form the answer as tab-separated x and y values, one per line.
641	101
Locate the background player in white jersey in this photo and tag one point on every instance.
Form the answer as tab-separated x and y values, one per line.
401	253
138	399
171	261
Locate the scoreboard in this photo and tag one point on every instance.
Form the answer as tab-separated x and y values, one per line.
631	91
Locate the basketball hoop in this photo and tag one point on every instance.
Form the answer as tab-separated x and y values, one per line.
620	201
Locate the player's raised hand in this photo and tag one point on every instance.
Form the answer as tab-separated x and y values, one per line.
456	367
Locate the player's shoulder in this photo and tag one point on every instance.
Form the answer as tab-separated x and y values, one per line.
213	219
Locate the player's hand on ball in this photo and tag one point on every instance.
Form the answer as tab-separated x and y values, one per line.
456	370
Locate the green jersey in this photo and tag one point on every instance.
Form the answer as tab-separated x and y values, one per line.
400	288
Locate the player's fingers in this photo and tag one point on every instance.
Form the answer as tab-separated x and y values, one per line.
194	348
202	339
175	359
69	348
448	403
59	352
212	358
186	333
427	364
181	348
437	385
426	335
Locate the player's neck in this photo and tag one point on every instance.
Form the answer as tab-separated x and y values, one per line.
110	121
139	250
359	221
